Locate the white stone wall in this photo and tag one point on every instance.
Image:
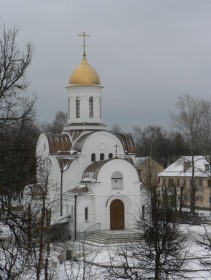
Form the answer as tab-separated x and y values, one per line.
84	93
104	195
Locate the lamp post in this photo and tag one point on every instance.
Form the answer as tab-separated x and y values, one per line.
75	196
61	193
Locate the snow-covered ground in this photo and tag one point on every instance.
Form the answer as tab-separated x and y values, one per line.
93	262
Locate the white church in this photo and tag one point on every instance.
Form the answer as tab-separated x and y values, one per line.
92	180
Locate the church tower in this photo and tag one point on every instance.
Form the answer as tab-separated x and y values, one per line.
84	97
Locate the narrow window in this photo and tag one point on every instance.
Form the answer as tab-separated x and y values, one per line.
77	107
91	107
101	156
200	182
93	157
143	212
110	155
86	214
207	167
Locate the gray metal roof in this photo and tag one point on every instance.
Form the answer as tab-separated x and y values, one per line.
81	189
79	143
91	172
127	142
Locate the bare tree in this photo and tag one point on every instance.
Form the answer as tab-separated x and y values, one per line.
57	125
116	129
191	121
164	146
18	134
159	253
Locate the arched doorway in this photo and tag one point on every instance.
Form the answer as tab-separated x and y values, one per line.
117	215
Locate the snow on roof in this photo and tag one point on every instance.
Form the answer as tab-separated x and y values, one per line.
91	172
81	189
183	167
58	143
140	160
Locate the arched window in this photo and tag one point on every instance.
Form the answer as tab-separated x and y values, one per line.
77	107
117	181
102	156
86	213
93	157
110	155
91	107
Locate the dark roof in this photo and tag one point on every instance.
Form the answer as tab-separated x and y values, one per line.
91	172
59	143
127	142
81	189
64	163
79	143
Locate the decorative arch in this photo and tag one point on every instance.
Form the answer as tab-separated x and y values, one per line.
127	206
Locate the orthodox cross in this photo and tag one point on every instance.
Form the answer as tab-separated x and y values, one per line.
116	146
84	35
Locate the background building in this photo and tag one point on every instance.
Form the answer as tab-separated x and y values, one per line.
179	176
148	170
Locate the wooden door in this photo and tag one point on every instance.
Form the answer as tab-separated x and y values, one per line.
117	215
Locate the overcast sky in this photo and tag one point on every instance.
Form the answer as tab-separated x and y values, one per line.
147	53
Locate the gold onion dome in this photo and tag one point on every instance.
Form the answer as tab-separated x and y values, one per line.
84	75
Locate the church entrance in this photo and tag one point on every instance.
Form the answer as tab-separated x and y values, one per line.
117	215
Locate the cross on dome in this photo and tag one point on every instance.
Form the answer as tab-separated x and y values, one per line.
84	35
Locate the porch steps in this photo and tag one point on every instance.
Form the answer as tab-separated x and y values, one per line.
112	237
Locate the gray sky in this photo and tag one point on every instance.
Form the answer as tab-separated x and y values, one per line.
147	53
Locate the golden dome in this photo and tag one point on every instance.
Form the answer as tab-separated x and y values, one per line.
84	75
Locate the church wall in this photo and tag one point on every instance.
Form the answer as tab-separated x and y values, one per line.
104	195
130	194
82	224
54	187
72	176
101	142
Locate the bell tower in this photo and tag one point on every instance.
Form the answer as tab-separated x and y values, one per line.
84	97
